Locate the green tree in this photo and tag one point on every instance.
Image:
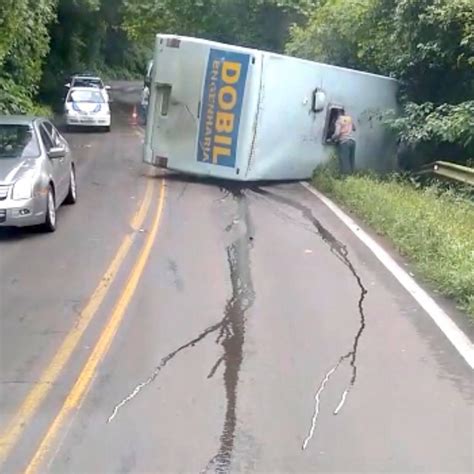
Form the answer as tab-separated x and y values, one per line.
254	23
24	43
88	36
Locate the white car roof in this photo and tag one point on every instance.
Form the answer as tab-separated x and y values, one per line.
80	76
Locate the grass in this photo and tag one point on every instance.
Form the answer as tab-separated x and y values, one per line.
432	227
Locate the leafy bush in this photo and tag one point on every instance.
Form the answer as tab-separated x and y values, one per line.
14	99
24	43
445	123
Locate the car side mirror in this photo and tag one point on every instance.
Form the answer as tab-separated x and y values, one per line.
57	152
107	88
67	85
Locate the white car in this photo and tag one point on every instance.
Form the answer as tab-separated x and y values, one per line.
87	107
84	80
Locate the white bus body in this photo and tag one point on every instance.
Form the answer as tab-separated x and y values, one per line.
242	114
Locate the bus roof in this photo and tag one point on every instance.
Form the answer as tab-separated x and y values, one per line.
243	49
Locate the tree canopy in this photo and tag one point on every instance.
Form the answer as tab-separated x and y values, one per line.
24	44
88	35
256	23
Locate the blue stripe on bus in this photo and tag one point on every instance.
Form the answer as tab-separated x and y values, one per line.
221	108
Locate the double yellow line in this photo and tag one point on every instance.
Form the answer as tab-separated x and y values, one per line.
34	399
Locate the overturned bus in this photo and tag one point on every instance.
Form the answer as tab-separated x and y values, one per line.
236	113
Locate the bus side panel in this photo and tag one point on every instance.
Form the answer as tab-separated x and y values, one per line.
365	97
290	137
287	142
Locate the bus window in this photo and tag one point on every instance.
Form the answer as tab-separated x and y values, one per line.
333	114
165	93
319	101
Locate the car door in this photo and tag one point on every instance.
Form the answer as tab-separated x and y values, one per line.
60	166
69	161
104	91
64	163
59	141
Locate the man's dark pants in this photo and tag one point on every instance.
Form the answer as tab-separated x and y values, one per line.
347	156
143	112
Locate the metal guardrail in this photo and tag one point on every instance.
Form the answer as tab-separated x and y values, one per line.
452	171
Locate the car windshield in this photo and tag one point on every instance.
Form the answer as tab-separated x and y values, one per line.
18	141
86	82
86	96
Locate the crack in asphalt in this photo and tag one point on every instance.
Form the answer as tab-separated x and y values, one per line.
231	336
215	367
341	252
226	193
317	402
138	388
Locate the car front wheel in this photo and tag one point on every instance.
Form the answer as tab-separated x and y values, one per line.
71	197
50	220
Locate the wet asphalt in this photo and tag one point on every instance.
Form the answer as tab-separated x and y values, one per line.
263	336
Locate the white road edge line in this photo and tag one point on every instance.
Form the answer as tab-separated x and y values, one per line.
455	335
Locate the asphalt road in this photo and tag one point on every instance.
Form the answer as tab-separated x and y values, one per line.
175	325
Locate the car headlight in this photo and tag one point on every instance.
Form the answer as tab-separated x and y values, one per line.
104	111
23	189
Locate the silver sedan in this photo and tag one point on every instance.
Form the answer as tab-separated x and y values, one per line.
37	172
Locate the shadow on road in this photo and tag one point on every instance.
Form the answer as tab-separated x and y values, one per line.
178	177
15	234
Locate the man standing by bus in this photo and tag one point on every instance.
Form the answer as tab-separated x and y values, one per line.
344	137
144	101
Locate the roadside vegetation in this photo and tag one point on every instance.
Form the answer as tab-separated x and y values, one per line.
432	226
